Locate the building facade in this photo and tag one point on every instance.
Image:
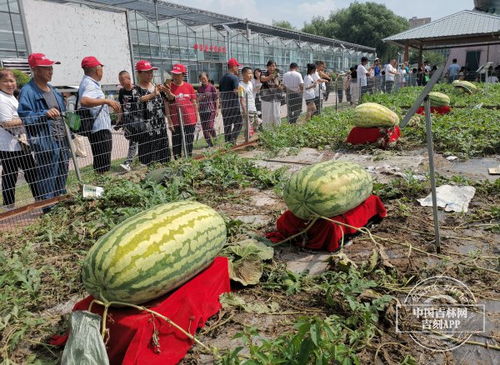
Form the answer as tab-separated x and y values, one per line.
417	22
161	32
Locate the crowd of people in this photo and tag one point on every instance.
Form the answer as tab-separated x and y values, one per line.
34	137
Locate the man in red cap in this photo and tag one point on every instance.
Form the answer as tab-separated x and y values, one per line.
40	108
230	104
91	96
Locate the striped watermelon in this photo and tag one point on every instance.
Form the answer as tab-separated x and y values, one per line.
467	86
327	189
153	252
439	99
369	115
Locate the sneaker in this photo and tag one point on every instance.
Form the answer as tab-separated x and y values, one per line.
125	166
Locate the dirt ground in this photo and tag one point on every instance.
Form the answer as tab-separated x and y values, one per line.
406	237
407	221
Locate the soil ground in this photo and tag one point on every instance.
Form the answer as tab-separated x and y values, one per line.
465	237
412	224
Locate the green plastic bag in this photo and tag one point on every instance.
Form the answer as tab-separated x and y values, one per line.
85	345
73	121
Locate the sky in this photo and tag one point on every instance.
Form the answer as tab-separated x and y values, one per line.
299	11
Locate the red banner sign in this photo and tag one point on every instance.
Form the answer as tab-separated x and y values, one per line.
207	48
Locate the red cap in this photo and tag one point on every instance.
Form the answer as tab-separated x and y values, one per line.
91	61
232	62
40	60
144	65
178	69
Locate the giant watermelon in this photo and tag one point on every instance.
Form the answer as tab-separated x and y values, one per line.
438	99
327	189
369	115
467	86
153	252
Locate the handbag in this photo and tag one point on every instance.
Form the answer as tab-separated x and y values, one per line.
134	127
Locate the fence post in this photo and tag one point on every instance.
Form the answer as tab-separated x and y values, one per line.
72	151
288	106
320	98
247	120
183	134
337	93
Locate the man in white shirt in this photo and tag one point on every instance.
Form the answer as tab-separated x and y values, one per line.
247	100
390	74
320	91
362	73
91	96
294	85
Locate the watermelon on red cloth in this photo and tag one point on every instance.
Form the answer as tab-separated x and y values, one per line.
131	331
385	137
435	109
326	235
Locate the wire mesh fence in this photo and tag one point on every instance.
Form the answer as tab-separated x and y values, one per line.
57	156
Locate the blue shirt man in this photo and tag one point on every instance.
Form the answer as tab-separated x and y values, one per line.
91	96
40	108
453	70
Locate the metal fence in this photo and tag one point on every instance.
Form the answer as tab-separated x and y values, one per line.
38	173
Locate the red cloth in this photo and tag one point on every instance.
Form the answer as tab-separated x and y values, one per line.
382	136
326	235
130	331
435	109
185	97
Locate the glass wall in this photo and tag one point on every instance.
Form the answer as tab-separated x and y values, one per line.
204	48
12	41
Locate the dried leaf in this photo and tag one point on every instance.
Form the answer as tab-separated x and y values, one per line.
246	271
342	262
261	308
384	258
372	261
231	300
369	294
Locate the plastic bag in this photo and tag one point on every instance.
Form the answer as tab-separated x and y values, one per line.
85	345
79	143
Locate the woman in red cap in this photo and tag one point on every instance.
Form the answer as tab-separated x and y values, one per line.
153	143
182	97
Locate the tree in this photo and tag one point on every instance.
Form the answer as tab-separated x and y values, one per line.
434	58
365	24
283	24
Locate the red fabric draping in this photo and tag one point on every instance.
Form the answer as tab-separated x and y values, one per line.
382	136
435	109
326	235
131	332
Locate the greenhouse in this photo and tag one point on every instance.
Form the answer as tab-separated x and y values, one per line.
163	33
206	47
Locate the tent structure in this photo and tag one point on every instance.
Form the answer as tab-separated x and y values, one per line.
462	29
